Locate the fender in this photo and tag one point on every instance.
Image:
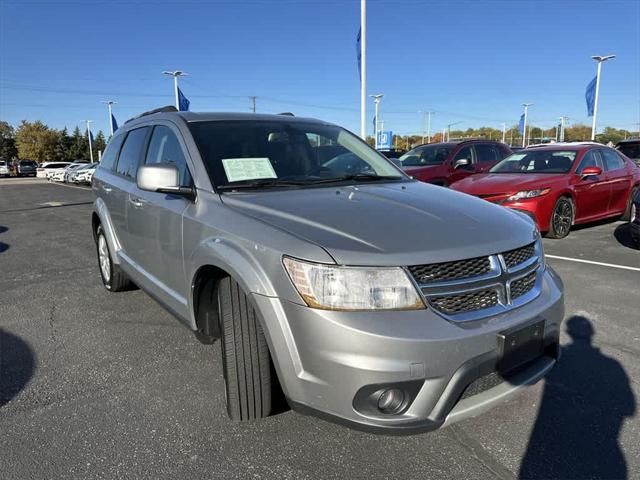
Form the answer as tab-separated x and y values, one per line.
100	209
236	261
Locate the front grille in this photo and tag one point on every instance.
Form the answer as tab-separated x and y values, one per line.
482	384
466	302
523	285
519	255
437	272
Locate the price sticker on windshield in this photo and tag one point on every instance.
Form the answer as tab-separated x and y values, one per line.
241	169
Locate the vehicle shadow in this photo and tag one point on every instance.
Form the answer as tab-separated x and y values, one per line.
585	402
17	365
623	236
3	246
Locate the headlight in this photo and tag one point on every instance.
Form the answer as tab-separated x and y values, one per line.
528	194
331	287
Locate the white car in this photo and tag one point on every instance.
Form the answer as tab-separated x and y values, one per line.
4	168
60	174
85	174
48	168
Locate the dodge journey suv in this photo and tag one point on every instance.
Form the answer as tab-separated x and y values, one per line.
326	273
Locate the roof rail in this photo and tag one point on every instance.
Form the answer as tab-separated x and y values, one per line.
289	114
565	144
167	108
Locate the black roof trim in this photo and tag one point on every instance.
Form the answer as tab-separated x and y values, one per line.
165	109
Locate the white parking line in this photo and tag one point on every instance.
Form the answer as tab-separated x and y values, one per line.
591	262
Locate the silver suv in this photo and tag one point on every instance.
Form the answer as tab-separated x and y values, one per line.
325	272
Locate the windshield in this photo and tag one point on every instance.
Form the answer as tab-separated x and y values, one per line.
260	154
631	150
425	155
536	161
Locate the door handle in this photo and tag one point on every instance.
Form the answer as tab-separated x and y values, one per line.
107	189
137	202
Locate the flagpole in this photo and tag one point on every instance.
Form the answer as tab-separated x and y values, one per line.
524	128
363	69
175	74
600	60
109	103
376	102
89	137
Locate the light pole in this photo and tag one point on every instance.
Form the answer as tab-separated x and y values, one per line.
600	60
449	129
109	103
504	132
363	69
524	129
376	102
561	134
89	138
428	115
175	74
253	103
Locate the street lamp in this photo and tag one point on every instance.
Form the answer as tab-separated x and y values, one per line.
524	128
175	74
449	129
109	103
428	115
89	138
600	60
376	102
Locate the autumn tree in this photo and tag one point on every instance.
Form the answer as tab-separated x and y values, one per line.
36	141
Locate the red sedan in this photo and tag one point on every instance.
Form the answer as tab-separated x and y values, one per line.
560	185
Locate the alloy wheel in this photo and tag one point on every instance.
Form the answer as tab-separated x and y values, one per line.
104	259
562	217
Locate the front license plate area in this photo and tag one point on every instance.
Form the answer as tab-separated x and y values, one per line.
519	346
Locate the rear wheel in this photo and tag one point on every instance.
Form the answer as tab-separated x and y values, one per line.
561	218
113	278
630	205
245	355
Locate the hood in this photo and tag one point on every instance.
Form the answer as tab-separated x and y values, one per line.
406	223
496	183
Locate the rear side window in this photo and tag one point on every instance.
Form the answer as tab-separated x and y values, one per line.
164	147
131	152
111	152
487	153
611	160
3	163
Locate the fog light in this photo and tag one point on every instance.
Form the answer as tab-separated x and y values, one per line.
391	401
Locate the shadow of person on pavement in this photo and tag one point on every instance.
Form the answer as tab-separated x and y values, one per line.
17	364
585	401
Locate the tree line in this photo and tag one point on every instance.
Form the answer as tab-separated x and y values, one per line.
574	133
39	142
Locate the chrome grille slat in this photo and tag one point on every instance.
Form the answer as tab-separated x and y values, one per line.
474	288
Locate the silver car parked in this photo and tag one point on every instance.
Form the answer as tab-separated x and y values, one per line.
363	296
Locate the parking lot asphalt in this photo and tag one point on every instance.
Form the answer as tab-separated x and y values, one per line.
101	385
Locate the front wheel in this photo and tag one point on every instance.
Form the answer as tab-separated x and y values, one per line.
561	218
245	355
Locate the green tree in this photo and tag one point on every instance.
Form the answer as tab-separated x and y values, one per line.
36	141
8	148
79	147
63	145
99	144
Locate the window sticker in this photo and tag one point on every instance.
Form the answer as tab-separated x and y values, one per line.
240	169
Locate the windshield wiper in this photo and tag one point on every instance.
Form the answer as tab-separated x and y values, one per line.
262	184
360	177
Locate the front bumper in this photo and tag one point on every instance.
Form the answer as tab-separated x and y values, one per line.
325	358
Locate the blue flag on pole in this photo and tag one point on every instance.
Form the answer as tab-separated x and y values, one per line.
359	52
114	124
521	125
91	137
183	102
590	96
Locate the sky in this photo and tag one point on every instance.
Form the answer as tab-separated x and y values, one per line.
473	62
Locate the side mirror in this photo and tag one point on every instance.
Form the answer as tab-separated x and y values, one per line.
461	162
591	172
162	178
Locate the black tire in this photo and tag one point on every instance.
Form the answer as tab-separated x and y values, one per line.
627	213
561	218
113	278
245	355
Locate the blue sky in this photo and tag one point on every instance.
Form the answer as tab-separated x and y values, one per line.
473	62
